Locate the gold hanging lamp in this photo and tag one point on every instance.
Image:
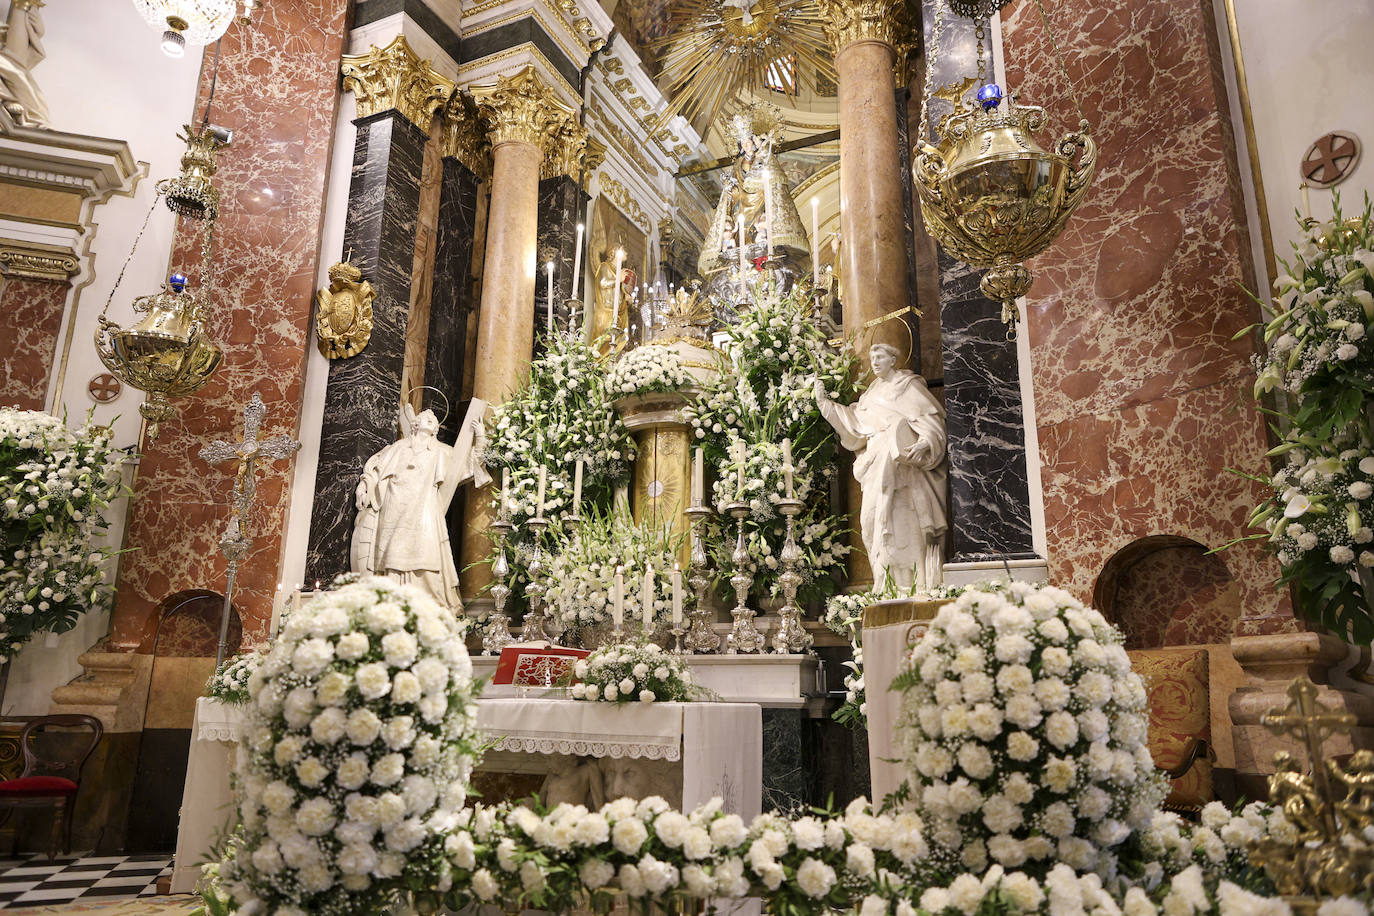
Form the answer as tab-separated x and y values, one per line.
989	193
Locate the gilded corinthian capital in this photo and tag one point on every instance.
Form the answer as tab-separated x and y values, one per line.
565	151
521	107
395	77
464	137
848	21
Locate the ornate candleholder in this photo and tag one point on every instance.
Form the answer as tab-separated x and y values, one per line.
574	307
498	635
790	637
744	636
701	636
538	624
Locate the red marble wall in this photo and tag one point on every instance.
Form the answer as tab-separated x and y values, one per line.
278	90
1141	396
1177	595
30	316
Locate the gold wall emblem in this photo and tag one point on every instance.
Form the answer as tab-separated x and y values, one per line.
343	317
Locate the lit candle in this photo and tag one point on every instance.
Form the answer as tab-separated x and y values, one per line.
739	227
739	466
543	486
577	264
816	242
615	299
646	598
548	271
768	216
787	465
677	595
698	478
1306	201
504	511
577	488
618	598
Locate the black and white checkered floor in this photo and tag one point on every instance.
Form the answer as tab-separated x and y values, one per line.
34	880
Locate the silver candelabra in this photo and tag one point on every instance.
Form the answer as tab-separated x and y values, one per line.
790	637
701	635
538	623
744	637
498	635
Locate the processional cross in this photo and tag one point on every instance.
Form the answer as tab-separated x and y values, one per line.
1311	723
234	543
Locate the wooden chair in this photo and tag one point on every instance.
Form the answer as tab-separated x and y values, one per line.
52	774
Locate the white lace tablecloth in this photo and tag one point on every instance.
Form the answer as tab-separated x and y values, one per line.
207	805
649	731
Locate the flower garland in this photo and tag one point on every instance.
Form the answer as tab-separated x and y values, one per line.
762	395
630	672
580	581
652	367
1318	515
229	683
55	484
360	740
1023	728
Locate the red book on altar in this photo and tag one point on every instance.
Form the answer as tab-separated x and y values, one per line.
536	666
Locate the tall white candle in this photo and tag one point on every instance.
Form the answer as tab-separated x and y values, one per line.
577	264
646	598
739	473
739	228
548	270
543	487
615	299
698	478
577	489
768	215
504	511
816	241
618	598
1306	201
677	595
787	465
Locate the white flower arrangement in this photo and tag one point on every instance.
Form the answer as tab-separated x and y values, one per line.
580	578
55	484
229	683
651	367
1023	729
632	673
356	754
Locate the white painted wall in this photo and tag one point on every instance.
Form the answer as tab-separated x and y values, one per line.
1308	66
105	76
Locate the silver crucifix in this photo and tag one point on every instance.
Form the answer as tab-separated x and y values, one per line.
245	453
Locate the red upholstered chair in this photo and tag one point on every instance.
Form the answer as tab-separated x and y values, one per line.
52	771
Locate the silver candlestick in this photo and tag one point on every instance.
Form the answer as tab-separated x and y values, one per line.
497	635
790	637
538	623
701	636
744	637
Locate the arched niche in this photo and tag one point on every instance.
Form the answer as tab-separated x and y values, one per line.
1167	590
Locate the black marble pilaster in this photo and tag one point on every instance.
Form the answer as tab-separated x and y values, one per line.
788	760
364	393
909	223
561	206
989	496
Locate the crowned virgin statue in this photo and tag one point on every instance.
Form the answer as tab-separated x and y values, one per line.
756	192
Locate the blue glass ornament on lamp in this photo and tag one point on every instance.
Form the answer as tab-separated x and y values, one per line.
177	282
990	96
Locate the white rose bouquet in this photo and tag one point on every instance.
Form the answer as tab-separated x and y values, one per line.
356	755
55	484
229	683
1023	729
652	367
632	673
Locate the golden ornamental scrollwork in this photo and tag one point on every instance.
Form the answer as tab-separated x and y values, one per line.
464	136
596	155
396	77
521	107
565	151
848	21
36	264
629	146
619	195
343	315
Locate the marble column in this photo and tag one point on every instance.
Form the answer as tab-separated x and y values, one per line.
872	223
277	88
525	115
397	95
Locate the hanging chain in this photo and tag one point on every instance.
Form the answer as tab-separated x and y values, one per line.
931	60
138	238
980	30
1063	70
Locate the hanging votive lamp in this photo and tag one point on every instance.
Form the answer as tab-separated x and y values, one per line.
990	194
166	353
192	193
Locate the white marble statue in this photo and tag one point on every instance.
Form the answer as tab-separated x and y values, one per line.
897	433
20	52
402	497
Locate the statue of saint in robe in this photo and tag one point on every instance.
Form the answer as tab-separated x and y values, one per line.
605	316
402	498
20	53
896	431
